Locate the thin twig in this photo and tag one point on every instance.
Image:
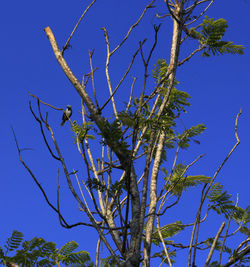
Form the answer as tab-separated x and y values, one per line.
131	95
132	27
162	241
192	54
124	76
85	11
49	105
202	13
65	224
92	76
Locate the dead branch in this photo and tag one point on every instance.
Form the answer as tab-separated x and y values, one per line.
92	77
64	224
162	241
132	27
123	77
202	13
227	157
214	244
191	55
83	14
49	105
131	95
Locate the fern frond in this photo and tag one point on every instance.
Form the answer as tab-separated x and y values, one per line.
14	241
68	248
210	38
220	201
77	259
167	231
179	182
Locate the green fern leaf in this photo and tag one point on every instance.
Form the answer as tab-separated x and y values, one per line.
179	182
210	38
167	231
220	201
68	248
14	241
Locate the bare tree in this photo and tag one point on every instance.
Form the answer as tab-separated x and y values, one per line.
127	211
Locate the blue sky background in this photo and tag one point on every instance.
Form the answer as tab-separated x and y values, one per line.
219	87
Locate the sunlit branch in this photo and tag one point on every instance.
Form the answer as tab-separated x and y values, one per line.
162	241
227	157
202	13
92	76
196	4
131	95
197	221
83	197
214	244
107	71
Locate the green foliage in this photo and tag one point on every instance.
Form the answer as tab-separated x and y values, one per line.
220	201
185	138
218	245
113	132
210	38
178	182
81	132
162	255
178	100
116	188
38	252
167	231
14	241
96	184
109	262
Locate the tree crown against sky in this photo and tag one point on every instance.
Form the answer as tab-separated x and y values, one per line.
140	137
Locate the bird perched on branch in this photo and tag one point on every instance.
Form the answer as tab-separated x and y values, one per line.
66	114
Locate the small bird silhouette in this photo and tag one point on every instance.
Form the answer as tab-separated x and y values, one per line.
66	115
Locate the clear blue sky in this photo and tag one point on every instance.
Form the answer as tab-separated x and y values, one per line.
219	87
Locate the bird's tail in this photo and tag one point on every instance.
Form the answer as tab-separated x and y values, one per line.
62	123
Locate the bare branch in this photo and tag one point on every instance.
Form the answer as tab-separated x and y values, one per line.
242	244
92	77
107	72
85	11
49	105
162	241
131	95
65	224
132	27
192	54
227	157
43	134
124	76
237	257
202	13
214	244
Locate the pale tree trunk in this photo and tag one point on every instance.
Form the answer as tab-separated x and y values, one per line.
176	39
